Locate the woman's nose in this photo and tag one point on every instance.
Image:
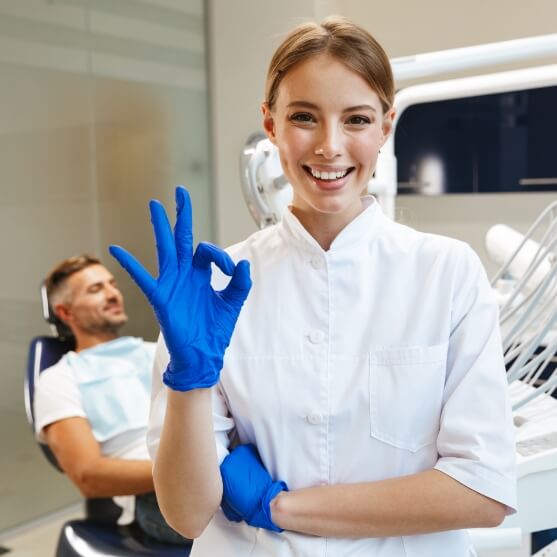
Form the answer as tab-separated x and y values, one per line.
329	144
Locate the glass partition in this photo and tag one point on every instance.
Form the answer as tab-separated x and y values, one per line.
103	106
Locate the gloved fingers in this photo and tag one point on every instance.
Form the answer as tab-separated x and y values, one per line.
166	250
248	451
206	253
135	269
240	284
183	234
229	512
242	457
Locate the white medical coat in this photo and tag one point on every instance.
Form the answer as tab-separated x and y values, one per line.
378	358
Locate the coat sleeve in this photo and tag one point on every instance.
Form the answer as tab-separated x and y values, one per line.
476	442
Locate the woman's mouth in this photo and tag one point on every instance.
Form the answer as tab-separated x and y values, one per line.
330	179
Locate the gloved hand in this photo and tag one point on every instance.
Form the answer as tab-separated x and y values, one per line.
248	488
196	321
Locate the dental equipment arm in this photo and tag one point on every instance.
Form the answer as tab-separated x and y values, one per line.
528	314
527	281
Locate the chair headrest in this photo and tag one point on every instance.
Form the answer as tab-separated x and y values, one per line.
59	328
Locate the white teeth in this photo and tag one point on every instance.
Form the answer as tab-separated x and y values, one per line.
328	175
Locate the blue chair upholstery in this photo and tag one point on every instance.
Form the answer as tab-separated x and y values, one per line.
83	538
98	534
44	352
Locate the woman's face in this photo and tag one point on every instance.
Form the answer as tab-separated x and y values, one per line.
328	125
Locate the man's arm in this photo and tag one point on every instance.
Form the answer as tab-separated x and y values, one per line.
79	455
425	502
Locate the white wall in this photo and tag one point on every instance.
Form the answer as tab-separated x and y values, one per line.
243	35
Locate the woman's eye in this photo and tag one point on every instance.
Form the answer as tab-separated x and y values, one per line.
303	117
358	120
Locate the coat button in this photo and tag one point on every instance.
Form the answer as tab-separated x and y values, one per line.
316	337
315	418
317	261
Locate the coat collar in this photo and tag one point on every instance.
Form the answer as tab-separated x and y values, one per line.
362	229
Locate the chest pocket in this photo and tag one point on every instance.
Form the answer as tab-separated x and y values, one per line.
406	394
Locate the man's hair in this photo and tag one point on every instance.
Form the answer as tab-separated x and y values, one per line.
56	280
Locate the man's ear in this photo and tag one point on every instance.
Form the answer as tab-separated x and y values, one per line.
268	123
62	312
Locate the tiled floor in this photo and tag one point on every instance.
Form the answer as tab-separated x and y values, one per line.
38	539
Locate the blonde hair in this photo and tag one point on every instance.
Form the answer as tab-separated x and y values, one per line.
338	37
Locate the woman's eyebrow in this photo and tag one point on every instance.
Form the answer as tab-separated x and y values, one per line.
312	106
302	104
360	107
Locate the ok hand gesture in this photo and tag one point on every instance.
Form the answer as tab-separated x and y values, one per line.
196	321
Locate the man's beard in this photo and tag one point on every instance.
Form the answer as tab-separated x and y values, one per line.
106	326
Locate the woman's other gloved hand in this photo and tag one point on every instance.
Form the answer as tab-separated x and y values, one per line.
248	489
196	321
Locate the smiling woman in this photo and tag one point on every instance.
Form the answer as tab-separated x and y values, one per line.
328	139
368	399
328	136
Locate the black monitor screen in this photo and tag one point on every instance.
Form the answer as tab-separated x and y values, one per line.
505	142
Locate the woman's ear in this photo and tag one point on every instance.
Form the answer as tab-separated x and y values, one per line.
387	125
268	123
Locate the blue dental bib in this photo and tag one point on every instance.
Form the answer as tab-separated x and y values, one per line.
114	379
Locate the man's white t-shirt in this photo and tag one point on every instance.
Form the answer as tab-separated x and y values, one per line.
111	376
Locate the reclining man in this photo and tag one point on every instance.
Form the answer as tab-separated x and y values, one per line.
92	406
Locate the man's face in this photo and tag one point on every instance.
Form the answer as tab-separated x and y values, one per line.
95	304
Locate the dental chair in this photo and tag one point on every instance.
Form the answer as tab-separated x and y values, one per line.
98	534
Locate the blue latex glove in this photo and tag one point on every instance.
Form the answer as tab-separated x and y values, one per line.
196	321
248	488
